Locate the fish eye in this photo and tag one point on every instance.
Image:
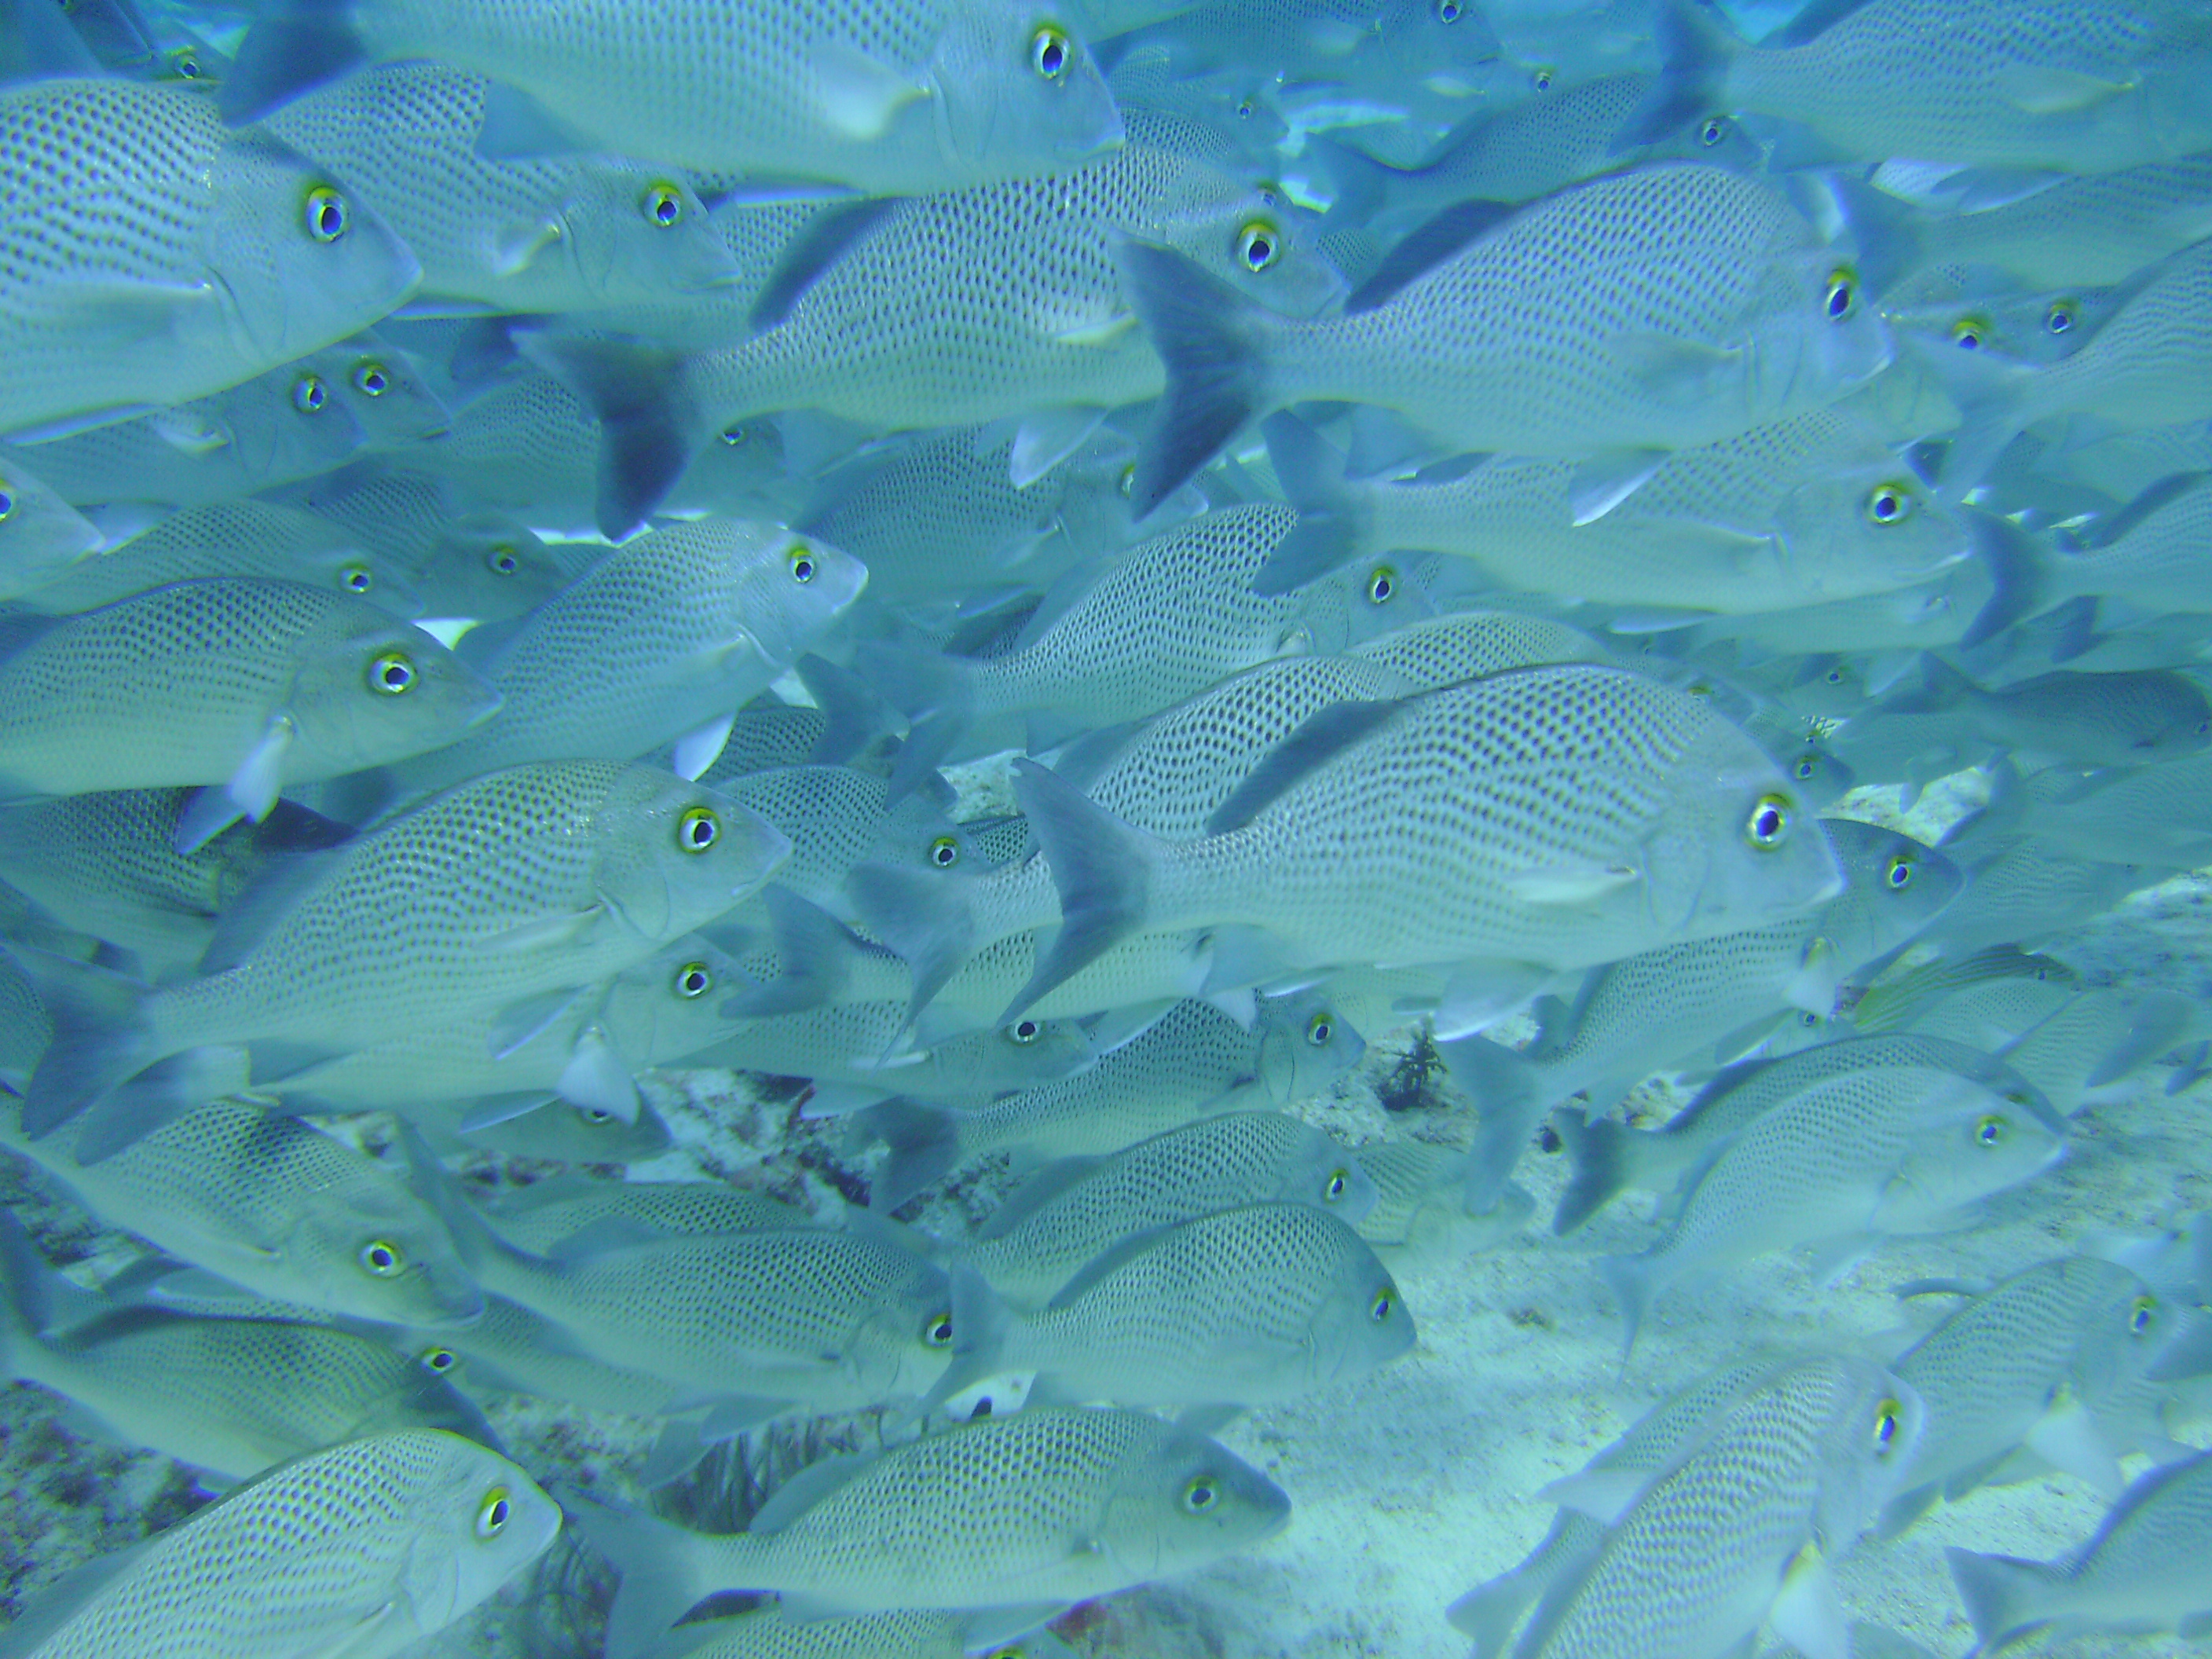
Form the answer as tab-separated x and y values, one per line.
1450	11
1025	1030
325	214
1244	109
1769	823
802	564
392	673
733	435
1382	583
1808	1018
356	579
2060	318
937	1332
1899	875
663	204
1258	246
502	561
309	393
1339	1180
1713	132
1990	1131
1319	1030
2141	1312
1542	80
1805	767
440	1360
945	852
698	828
1379	1309
185	64
595	1117
1835	677
1843	295
493	1513
7	504
383	1258
694	979
1201	1494
1969	333
1886	1415
372	379
1050	51
1889	504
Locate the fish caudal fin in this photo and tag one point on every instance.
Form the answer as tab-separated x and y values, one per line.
100	1039
649	423
300	45
1102	866
2004	1595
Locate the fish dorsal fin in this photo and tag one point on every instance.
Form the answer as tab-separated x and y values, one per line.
829	235
1108	1262
1423	249
807	1488
66	1597
2154	498
276	889
1326	734
1813	20
1042	1187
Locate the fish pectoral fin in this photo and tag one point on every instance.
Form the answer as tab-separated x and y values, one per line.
1101	332
1833	1257
260	776
1674	369
368	1636
517	127
989	1628
538	932
1812	986
516	248
118	311
1807	1613
597	1079
519	1022
207	814
696	750
189	431
1572	882
1603	1494
1046	437
1607	479
2047	89
859	95
2067	1438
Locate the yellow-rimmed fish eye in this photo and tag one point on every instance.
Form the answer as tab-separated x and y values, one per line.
1715	129
1051	51
356	579
1015	1651
502	561
1319	1030
1843	296
945	852
662	204
372	379
309	393
1897	874
185	64
1886	1417
733	435
392	673
801	561
1244	109
1768	826
937	1331
1805	767
1203	1493
2140	1314
438	1360
1382	584
1989	1130
1379	1309
1259	245
595	1115
1451	11
2062	316
1338	1184
1025	1031
694	979
1540	79
493	1513
1808	1019
1889	504
1970	333
325	214
7	503
698	828
382	1258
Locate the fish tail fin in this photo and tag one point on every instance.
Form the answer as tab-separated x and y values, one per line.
1995	399
814	951
2020	570
1488	1612
1331	527
25	1311
661	1576
429	1181
101	1039
937	695
926	916
924	1142
1695	49
2004	1595
1604	1159
980	1323
1101	867
1215	343
853	716
1635	1285
649	420
299	45
1507	1091
1359	185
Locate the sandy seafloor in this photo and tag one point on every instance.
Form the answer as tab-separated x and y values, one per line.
1411	1484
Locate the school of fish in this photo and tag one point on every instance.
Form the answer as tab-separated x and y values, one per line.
790	793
